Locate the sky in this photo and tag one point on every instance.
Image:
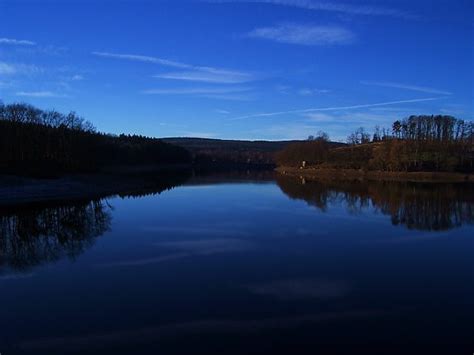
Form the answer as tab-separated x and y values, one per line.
232	69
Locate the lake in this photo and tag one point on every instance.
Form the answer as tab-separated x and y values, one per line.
243	263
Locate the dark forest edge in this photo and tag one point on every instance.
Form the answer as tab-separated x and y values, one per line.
418	148
48	143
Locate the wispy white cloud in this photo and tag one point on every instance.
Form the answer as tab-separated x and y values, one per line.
222	112
218	93
143	58
304	91
308	35
39	94
231	97
7	69
454	110
283	89
332	6
397	110
319	117
13	69
352	117
335	108
192	72
424	89
209	75
337	123
311	92
77	77
197	91
16	42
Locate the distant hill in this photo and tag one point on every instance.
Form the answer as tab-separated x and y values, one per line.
197	144
206	150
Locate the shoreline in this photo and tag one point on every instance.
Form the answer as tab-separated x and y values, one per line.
18	191
352	174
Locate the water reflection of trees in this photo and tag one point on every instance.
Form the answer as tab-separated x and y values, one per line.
34	236
421	206
40	234
153	184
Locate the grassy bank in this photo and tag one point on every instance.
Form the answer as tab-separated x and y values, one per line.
351	174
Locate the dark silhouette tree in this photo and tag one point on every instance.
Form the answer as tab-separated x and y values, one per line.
35	141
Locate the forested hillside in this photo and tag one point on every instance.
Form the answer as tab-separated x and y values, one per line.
37	141
220	151
418	143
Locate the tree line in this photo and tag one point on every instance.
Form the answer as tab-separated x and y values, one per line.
33	141
417	143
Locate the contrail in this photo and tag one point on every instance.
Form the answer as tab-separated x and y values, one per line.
267	114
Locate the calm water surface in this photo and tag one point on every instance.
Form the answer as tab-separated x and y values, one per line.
247	265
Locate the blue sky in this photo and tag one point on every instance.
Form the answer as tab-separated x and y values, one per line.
262	69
